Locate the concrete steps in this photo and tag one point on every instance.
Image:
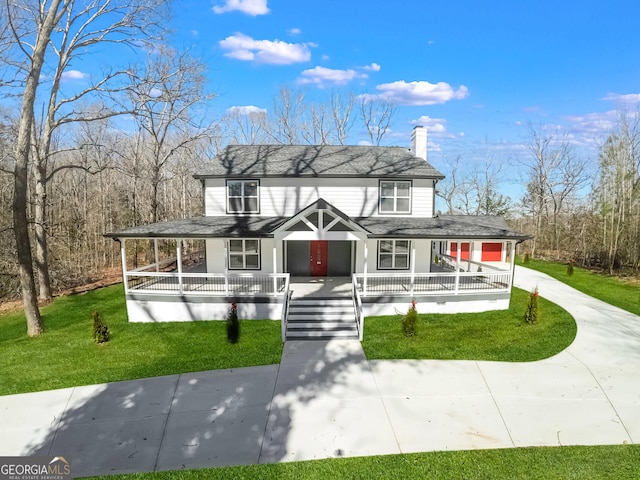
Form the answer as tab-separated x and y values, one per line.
315	318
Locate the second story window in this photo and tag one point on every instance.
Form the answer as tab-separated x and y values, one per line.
395	197
242	196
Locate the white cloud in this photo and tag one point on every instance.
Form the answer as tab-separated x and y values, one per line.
250	7
246	110
276	52
417	93
322	76
74	75
623	98
592	125
295	31
374	67
434	125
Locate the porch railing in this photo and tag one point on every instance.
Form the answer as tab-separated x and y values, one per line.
357	305
432	283
285	310
175	283
447	262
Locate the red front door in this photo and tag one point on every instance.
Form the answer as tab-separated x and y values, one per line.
319	250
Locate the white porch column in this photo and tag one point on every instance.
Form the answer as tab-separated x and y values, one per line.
513	263
413	266
503	257
275	270
179	263
365	268
155	254
458	254
226	269
123	254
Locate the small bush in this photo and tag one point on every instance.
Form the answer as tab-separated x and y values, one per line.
100	329
526	258
233	325
436	260
570	267
409	321
531	314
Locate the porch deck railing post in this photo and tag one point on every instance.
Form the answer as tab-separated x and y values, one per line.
155	253
179	262
275	267
413	268
226	270
364	269
123	253
458	254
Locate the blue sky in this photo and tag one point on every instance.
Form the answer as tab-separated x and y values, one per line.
475	73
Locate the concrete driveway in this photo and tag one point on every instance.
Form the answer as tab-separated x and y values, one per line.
326	400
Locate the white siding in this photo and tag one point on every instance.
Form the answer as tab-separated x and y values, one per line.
356	197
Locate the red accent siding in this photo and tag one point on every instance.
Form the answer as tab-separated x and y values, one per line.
491	252
464	250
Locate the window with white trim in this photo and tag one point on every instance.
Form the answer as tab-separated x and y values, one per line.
244	254
243	196
393	254
395	196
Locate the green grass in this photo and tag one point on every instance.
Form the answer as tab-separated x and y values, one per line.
498	335
66	355
618	462
615	291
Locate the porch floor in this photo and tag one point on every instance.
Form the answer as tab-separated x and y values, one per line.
320	286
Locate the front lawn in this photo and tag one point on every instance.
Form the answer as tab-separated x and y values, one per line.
66	355
614	462
498	335
615	291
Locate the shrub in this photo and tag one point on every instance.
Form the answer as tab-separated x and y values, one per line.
526	258
409	320
233	324
436	260
100	329
570	267
531	314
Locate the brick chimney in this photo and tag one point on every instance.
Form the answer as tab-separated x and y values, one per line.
419	142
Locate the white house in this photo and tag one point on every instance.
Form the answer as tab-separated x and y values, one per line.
283	215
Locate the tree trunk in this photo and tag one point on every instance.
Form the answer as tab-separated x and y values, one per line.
40	218
23	147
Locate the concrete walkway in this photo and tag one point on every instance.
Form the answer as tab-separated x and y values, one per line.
326	400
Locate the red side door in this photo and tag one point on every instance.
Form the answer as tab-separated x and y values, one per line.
491	252
319	255
464	250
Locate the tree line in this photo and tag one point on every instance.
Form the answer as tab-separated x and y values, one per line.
119	149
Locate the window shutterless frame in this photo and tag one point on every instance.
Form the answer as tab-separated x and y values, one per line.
244	254
243	196
394	196
393	254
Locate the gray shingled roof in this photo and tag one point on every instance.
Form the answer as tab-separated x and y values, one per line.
204	227
317	161
449	227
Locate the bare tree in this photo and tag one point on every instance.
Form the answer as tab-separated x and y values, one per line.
341	111
245	126
165	101
554	173
377	116
286	124
79	26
